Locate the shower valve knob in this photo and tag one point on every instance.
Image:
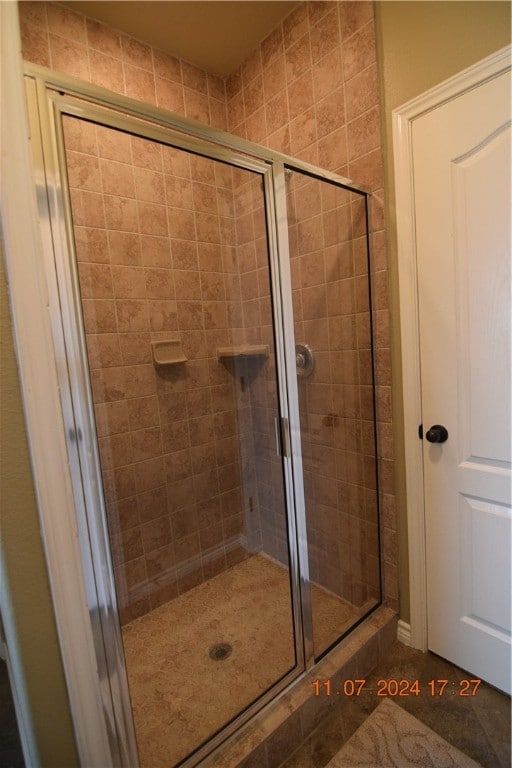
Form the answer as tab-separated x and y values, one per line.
304	360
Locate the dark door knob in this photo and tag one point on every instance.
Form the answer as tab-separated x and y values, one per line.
437	434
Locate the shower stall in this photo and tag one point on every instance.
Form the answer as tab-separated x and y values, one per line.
213	310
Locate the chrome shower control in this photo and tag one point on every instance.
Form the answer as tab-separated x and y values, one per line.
304	359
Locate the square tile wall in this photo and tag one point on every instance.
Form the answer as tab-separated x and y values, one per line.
329	269
310	89
157	258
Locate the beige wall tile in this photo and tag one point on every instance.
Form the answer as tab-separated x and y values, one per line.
149	185
139	380
136	53
34	12
362	92
274	77
303	132
152	219
132	315
298	58
155	251
69	57
327	73
193	77
167	66
66	23
104	350
330	113
83	171
99	316
111	418
156	534
103	38
106	71
95	281
181	224
276	112
196	105
325	35
88	208
120	213
146	443
364	133
169	94
218	114
162	315
159	283
35	42
108	384
117	178
358	51
368	169
112	144
146	154
300	94
128	282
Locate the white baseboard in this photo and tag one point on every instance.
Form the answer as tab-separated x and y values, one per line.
403	632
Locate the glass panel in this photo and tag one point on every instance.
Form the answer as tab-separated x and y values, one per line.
329	268
174	280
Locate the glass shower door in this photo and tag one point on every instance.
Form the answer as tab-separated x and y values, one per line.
330	279
172	264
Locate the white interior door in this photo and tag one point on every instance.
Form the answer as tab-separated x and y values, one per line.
461	164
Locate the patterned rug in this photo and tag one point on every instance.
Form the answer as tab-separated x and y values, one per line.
392	738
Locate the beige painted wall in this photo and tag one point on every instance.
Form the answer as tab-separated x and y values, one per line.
26	569
420	44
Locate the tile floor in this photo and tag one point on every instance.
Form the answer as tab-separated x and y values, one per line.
180	696
11	755
478	725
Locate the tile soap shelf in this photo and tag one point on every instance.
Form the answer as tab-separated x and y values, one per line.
167	352
245	350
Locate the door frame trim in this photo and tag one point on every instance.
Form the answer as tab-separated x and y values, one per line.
403	118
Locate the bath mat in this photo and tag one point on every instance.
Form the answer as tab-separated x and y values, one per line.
392	738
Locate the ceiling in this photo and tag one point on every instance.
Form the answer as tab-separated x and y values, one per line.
215	36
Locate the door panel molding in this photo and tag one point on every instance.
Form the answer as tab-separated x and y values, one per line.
402	120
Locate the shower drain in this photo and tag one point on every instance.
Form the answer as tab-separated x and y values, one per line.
220	651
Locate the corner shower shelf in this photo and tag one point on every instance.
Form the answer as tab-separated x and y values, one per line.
167	352
246	350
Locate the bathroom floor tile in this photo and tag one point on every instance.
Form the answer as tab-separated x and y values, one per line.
478	725
10	745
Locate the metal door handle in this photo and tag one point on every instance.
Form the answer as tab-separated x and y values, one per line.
282	436
437	434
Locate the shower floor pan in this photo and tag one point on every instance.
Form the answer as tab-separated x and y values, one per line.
183	688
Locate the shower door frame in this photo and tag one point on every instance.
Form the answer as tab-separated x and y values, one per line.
47	93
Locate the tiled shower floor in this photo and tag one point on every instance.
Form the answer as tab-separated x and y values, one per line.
180	696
